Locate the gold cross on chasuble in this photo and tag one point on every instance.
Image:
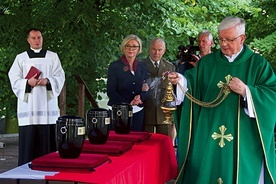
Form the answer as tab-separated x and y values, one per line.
219	181
228	137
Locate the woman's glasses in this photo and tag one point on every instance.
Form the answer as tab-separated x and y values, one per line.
132	47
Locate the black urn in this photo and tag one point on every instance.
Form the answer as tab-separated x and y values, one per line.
70	136
122	118
97	122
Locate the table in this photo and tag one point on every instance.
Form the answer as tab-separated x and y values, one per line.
152	161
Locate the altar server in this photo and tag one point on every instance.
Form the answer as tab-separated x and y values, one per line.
37	104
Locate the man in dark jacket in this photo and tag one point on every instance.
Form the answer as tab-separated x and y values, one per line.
156	66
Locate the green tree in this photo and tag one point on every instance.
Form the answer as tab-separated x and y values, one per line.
262	31
87	33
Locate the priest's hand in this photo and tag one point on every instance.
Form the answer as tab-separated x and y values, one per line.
237	86
173	77
33	81
43	82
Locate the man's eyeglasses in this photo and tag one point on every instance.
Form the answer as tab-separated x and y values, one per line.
132	47
227	40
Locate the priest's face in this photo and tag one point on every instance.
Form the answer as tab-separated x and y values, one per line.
35	39
230	41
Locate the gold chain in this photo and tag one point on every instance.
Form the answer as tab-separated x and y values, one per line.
224	92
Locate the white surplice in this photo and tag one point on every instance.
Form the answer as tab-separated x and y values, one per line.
40	106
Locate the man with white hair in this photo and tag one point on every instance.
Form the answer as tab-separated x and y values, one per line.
205	42
229	139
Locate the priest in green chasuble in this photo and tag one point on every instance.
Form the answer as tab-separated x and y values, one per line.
229	139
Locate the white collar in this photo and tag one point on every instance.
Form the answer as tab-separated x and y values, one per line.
36	50
233	57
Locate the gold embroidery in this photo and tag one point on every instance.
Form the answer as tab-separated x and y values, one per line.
220	181
224	92
228	137
222	84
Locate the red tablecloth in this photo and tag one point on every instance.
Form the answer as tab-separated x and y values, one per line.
151	162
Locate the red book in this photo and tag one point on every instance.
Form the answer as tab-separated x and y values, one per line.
33	70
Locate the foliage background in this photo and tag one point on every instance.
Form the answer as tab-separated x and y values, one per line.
86	34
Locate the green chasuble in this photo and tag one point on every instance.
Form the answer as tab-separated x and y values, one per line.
223	144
